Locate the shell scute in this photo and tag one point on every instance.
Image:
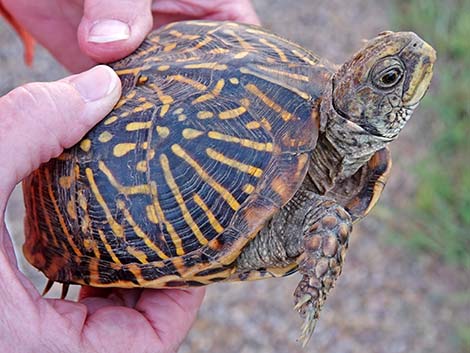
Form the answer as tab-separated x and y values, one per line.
208	141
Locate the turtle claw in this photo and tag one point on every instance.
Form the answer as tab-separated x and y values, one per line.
308	308
304	300
48	287
308	302
310	322
65	289
50	283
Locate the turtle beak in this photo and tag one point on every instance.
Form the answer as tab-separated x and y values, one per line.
421	58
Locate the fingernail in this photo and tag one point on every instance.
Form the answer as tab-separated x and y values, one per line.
96	83
105	31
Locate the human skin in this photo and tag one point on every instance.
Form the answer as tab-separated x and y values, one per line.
64	26
39	120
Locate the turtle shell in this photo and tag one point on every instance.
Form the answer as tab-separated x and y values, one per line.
210	138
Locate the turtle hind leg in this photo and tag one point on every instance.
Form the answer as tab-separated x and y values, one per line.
325	244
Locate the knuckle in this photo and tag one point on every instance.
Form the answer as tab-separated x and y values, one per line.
22	96
42	109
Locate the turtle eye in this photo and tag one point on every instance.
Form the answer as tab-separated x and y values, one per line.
390	77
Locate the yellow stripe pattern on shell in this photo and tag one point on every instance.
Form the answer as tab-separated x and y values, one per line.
194	138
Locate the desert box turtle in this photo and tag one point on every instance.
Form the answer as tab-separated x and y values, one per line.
233	155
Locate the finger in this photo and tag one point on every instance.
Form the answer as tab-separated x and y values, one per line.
166	11
119	329
53	23
110	296
112	29
239	11
39	120
171	312
94	304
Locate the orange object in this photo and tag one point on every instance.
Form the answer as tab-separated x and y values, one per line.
26	38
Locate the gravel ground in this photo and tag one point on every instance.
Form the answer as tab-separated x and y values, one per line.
387	300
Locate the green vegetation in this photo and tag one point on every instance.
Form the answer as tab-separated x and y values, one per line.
463	334
439	220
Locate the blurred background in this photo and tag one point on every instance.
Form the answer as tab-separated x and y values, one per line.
406	282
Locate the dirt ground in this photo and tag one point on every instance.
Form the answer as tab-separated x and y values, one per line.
387	300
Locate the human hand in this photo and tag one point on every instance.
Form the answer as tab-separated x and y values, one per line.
80	33
37	121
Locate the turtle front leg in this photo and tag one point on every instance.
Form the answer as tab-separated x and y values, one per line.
324	248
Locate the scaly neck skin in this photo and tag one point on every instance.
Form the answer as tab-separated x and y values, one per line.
342	148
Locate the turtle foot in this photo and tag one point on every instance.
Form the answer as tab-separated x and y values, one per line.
308	303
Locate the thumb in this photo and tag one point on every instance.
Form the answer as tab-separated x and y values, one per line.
39	120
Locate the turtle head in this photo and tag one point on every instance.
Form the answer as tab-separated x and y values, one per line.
379	88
